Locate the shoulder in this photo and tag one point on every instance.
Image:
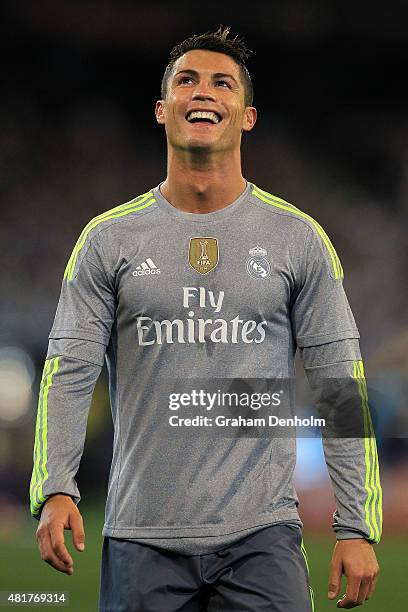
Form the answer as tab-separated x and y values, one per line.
135	207
278	206
301	223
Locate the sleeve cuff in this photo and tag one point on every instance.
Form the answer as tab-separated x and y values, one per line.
351	535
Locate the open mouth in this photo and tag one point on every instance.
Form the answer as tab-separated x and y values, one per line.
208	117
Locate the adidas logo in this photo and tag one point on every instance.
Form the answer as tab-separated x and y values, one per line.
146	268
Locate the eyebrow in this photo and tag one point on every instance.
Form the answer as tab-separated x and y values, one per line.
216	75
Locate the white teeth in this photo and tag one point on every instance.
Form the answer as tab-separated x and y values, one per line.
203	115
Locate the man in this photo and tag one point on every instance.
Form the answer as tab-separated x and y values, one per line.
204	277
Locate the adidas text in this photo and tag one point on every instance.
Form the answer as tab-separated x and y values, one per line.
148	267
144	272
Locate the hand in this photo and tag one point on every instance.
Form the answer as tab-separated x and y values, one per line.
59	512
356	559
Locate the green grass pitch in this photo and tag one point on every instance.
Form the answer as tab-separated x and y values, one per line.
23	570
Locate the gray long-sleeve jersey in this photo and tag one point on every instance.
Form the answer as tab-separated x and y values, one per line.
166	295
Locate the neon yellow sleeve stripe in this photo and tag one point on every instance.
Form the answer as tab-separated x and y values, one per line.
107	213
274	201
375	467
278	202
128	206
375	483
125	209
294	208
367	460
373	503
41	439
37	443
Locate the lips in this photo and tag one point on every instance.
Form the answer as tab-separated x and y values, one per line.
203	116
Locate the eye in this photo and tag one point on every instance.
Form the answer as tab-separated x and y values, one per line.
185	80
223	83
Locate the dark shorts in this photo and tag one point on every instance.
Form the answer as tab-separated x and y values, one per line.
265	571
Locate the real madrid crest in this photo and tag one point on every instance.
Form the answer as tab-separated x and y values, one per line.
257	265
203	254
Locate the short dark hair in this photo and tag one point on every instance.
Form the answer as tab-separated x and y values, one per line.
214	41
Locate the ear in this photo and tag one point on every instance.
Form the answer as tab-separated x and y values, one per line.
159	112
250	116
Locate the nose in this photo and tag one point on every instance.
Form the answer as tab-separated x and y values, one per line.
203	92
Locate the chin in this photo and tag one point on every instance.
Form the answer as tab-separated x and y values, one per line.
207	143
199	145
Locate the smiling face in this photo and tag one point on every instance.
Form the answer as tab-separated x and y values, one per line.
204	109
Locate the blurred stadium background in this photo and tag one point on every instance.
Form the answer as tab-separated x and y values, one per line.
78	136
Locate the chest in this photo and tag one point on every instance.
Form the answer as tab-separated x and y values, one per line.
205	273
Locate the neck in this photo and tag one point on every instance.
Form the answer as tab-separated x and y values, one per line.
200	183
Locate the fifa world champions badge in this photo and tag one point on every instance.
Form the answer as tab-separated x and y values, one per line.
203	254
257	265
